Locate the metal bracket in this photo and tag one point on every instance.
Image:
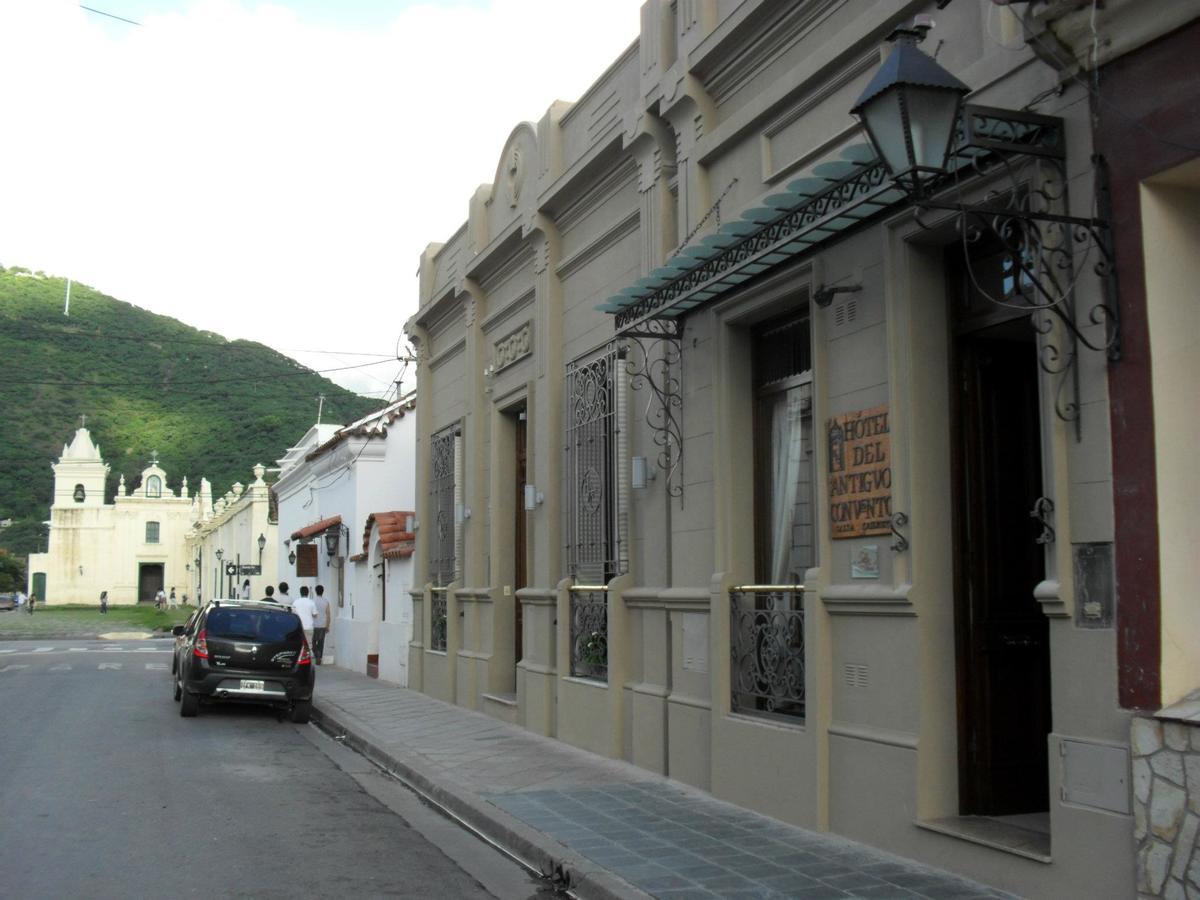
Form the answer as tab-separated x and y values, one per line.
898	520
1043	510
658	365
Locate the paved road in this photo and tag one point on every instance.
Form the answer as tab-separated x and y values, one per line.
106	792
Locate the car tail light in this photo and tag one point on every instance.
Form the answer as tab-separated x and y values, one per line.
305	656
201	647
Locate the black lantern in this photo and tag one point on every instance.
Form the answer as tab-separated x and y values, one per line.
909	110
331	541
262	545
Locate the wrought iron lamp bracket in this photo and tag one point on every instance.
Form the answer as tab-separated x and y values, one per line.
1041	245
657	365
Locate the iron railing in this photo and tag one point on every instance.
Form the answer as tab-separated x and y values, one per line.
437	619
589	632
767	650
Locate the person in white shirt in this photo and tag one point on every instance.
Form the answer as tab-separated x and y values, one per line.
307	611
321	625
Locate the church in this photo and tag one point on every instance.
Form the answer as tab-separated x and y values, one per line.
132	547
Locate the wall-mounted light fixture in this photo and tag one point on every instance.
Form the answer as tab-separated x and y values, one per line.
640	472
533	498
823	296
262	545
929	142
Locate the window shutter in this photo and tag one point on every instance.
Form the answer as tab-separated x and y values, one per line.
306	561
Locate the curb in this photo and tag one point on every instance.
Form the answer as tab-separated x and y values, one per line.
567	868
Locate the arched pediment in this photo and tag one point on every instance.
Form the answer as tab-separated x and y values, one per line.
515	184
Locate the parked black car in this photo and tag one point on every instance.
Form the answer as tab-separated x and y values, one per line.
243	651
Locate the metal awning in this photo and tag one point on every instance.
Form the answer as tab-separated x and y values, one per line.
830	199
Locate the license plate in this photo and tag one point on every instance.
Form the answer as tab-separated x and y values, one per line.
251	685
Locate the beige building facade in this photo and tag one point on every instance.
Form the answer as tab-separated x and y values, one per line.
743	462
132	547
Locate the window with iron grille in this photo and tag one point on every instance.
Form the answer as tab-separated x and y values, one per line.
444	487
596	492
151	532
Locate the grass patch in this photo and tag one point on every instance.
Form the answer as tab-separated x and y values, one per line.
80	621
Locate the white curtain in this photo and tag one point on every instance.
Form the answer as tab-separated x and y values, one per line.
787	462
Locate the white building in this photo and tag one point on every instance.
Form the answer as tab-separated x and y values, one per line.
346	496
232	541
131	548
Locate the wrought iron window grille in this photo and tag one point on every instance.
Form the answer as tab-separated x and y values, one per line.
597	480
767	658
444	488
438	626
589	632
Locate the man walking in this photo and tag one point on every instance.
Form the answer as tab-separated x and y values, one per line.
284	596
321	625
269	594
307	611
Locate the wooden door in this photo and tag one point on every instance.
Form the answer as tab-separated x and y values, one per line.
1003	635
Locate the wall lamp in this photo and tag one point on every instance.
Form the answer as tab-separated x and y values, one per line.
823	296
533	498
262	545
930	142
640	472
332	537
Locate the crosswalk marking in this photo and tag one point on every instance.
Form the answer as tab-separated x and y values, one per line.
42	649
14	667
162	666
8	651
113	666
61	667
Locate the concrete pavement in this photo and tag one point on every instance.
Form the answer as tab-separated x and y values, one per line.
607	827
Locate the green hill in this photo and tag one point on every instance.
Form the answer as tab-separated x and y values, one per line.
147	383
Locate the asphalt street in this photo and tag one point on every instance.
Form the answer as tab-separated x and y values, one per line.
105	791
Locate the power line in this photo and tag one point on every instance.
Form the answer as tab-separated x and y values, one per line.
101	12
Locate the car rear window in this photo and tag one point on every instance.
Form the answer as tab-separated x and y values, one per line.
253	624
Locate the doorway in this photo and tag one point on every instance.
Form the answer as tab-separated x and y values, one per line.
1002	635
150	581
520	460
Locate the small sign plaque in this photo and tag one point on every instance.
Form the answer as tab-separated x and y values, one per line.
860	473
250	570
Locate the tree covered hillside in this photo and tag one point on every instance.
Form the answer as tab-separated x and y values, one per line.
147	383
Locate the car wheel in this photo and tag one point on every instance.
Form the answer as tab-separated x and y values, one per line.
301	711
189	705
178	689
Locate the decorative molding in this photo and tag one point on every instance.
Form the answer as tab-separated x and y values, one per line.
867	600
513	347
619	229
888	736
604	187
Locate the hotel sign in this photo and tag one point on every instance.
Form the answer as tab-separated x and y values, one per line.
859	448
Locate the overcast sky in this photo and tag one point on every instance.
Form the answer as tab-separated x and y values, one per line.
272	169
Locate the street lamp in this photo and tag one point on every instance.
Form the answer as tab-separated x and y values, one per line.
262	544
291	553
909	110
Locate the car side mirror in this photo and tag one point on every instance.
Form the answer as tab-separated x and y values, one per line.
178	631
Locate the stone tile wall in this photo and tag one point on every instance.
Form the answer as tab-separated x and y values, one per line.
1166	802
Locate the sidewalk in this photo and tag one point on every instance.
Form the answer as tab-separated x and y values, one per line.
616	830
